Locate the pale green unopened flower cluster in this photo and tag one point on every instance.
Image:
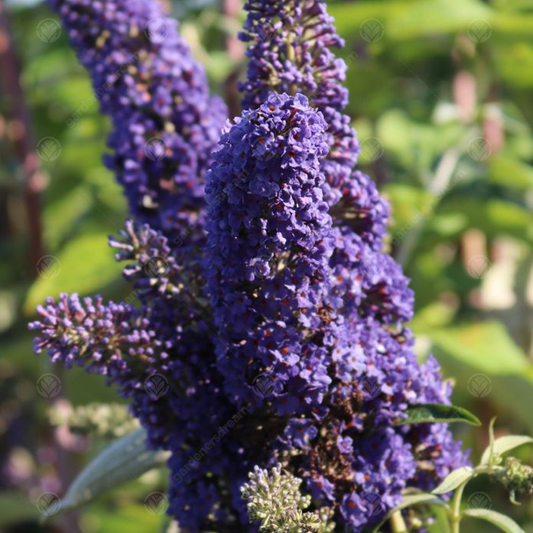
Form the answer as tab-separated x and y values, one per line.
107	421
275	500
517	477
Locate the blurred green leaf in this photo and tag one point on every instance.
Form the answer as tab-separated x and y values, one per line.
511	172
125	460
441	523
485	352
485	346
62	216
438	413
492	216
16	509
405	20
127	517
497	519
84	265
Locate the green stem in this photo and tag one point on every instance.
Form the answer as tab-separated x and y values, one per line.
291	56
398	523
456	507
437	188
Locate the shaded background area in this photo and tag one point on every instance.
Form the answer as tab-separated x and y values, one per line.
441	96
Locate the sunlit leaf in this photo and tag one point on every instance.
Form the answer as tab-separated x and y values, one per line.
454	479
438	413
499	520
85	265
485	346
504	445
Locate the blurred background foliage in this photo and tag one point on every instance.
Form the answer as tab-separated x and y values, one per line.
441	93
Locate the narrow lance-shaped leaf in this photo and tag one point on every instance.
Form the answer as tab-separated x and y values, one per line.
438	413
504	445
454	479
497	519
125	460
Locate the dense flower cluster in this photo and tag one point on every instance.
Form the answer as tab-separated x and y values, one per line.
274	499
290	52
164	122
269	243
280	339
328	359
166	373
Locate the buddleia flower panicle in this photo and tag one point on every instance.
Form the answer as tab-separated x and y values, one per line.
290	47
332	362
88	332
279	341
161	270
268	251
164	121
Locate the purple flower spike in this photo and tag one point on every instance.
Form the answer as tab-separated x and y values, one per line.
279	339
289	47
269	243
164	122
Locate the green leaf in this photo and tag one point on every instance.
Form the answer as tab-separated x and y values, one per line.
85	265
486	351
16	509
438	413
485	346
454	479
125	460
501	167
411	500
505	444
499	520
493	216
406	20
